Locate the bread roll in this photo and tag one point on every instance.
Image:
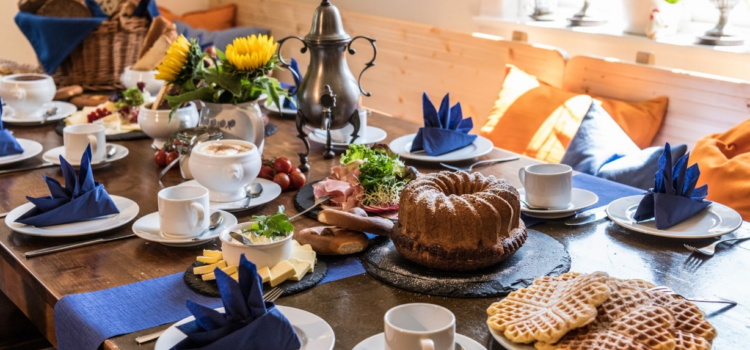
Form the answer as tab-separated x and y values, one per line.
158	27
81	101
30	6
353	220
327	240
66	92
64	8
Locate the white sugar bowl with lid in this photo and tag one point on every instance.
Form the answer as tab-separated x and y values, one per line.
225	167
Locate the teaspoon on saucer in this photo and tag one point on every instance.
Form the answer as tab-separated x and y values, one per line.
215	221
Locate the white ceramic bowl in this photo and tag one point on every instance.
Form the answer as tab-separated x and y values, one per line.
27	92
156	123
225	176
261	254
130	78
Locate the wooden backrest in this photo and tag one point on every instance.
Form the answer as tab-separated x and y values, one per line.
412	58
699	104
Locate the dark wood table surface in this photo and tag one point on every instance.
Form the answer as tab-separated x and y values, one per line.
355	306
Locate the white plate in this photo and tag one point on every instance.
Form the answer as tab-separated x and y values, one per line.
582	199
271	191
148	228
372	135
480	147
30	150
272	107
314	332
128	210
53	156
377	342
506	343
716	220
64	109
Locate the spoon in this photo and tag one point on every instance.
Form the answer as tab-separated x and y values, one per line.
48	113
215	220
240	238
252	190
111	150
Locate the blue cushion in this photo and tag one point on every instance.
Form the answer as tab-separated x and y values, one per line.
218	38
602	148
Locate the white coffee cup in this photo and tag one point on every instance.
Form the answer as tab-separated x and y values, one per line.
183	211
77	137
344	135
547	185
225	175
27	93
419	327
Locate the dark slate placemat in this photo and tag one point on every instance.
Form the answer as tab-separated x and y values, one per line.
209	288
128	136
541	255
305	198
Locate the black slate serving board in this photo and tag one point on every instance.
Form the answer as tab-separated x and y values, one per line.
305	198
541	255
211	289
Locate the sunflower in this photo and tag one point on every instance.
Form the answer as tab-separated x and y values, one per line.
251	53
174	61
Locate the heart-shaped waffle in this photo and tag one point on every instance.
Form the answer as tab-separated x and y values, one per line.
550	307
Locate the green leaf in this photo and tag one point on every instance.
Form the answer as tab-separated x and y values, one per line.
231	83
203	94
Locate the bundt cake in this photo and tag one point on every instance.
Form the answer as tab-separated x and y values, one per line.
458	221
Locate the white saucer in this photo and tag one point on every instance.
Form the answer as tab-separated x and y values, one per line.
372	135
30	150
64	109
147	228
53	156
268	103
271	191
506	343
480	147
582	199
314	332
716	220
377	342
128	210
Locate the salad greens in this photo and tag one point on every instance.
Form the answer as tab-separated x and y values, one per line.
271	226
382	174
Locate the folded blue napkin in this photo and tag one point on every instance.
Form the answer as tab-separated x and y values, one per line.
8	144
445	130
54	38
218	38
81	199
292	89
674	197
248	322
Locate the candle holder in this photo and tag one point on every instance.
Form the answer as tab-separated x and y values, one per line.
584	19
722	34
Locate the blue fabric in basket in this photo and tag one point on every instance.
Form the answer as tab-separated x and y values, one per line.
607	190
8	144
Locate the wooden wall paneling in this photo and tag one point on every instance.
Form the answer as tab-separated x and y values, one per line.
412	58
699	104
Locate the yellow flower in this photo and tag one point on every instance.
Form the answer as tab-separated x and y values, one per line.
250	53
175	59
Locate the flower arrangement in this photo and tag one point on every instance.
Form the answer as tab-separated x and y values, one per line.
237	76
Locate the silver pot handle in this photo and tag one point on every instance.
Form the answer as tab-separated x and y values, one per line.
368	64
281	43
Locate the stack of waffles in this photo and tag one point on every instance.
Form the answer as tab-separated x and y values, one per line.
597	312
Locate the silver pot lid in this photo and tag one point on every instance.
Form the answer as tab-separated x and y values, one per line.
327	26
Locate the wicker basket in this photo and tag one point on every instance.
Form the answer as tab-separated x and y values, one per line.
96	64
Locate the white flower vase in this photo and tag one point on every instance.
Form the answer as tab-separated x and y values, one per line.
638	15
243	121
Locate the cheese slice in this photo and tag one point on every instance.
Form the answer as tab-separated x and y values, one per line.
265	274
281	272
308	255
212	276
208	259
302	247
235	276
213	253
295	243
200	270
301	268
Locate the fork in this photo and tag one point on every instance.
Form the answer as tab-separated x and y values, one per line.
318	202
481	162
668	290
711	248
269	296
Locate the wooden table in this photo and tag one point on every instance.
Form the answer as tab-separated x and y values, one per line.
355	306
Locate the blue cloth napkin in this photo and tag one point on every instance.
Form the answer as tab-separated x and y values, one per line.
81	199
445	130
54	38
8	144
292	89
248	322
674	197
218	38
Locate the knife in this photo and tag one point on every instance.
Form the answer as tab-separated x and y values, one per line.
40	166
60	248
588	216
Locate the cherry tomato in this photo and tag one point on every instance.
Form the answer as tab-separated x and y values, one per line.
282	180
160	158
266	172
282	165
171	156
297	179
295	170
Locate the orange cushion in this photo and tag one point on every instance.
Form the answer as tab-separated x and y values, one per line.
724	160
538	120
217	18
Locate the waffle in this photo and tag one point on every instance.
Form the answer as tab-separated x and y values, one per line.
550	307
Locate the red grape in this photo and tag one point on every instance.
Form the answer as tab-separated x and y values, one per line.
282	180
282	165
